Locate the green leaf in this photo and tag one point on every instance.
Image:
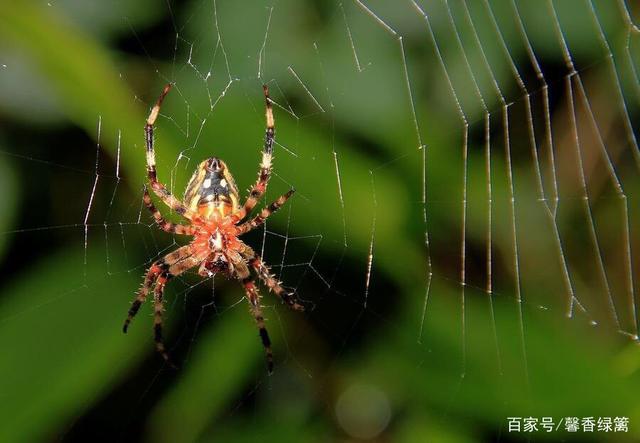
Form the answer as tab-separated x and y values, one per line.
60	329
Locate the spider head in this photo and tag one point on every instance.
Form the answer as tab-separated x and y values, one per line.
219	244
212	190
214	264
218	262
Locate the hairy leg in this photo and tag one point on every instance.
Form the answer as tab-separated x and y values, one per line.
158	307
259	188
256	310
175	269
273	284
164	224
166	264
253	297
158	188
150	277
264	214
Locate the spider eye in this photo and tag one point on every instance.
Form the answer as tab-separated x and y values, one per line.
217	264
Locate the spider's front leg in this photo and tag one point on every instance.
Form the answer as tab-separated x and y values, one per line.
256	310
159	273
253	297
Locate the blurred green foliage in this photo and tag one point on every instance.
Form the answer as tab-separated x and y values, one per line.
455	380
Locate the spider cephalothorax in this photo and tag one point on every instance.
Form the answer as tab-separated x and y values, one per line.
212	207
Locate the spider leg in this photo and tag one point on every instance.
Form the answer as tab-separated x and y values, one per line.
164	224
264	214
259	188
176	269
253	297
155	270
273	284
150	277
158	307
264	273
158	188
171	265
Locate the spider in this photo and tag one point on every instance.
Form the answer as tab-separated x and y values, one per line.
215	217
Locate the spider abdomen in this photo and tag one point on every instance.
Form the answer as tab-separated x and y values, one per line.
212	190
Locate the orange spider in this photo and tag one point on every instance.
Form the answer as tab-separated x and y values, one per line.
212	206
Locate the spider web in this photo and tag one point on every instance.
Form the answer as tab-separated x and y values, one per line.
473	161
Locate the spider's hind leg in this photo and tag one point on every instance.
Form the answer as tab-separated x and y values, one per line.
156	186
264	174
